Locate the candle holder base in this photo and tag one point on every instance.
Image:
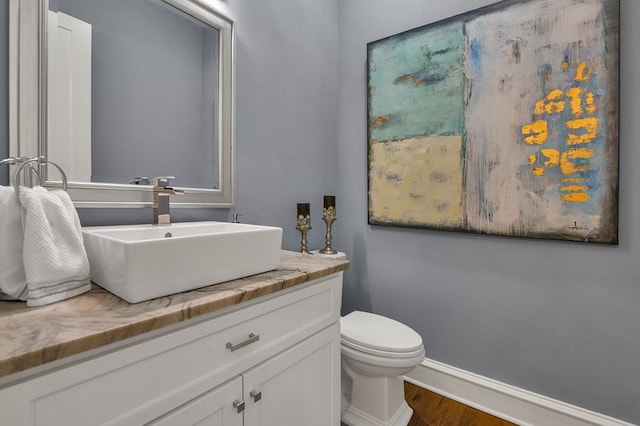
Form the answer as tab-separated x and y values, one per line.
303	225
328	250
328	216
338	256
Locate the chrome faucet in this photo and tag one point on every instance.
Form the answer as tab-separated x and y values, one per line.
161	193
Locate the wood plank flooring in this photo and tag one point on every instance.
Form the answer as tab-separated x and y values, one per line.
431	409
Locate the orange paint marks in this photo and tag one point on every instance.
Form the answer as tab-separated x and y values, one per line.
567	167
554	159
581	129
574	188
576	197
551	104
553	155
536	133
576	95
589	124
584	72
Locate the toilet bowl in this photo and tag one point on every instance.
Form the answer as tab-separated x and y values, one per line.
376	353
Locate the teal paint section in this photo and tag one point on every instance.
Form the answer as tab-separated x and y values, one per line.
416	84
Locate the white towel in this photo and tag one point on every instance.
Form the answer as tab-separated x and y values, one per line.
12	278
55	260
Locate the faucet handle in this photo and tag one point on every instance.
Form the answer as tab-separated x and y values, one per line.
162	181
141	180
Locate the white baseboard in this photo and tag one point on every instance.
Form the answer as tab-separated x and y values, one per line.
505	401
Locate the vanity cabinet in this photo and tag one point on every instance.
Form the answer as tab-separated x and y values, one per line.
271	361
290	389
295	387
211	409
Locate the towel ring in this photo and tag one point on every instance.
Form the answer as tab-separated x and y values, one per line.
19	160
39	160
12	160
6	161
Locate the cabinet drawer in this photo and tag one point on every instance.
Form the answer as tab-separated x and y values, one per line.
274	329
139	383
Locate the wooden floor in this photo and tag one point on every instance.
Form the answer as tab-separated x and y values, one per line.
431	409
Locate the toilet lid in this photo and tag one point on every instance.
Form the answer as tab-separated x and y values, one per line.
377	332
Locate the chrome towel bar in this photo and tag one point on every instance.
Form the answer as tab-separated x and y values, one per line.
22	162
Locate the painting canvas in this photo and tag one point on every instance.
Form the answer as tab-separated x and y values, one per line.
502	121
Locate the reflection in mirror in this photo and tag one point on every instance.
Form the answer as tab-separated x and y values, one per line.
134	88
147	78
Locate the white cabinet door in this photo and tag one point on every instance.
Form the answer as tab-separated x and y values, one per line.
214	408
298	386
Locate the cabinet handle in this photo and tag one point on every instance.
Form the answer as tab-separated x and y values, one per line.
256	395
235	346
238	405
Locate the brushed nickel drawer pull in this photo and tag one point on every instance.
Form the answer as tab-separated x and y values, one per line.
256	395
238	405
235	346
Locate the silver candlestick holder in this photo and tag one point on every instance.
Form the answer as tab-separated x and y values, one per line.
303	224
329	216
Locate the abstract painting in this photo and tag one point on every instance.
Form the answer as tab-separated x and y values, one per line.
501	121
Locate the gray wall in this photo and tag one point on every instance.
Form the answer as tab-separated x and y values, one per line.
287	96
560	319
4	89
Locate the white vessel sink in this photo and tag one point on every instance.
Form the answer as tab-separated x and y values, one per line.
142	262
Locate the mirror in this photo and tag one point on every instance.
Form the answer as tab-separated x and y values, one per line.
113	90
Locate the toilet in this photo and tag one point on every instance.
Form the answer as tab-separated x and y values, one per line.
376	353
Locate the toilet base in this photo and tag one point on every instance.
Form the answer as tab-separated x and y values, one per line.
355	417
373	401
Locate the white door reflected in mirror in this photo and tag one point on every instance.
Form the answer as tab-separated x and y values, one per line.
69	95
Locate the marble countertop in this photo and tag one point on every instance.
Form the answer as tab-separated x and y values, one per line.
31	337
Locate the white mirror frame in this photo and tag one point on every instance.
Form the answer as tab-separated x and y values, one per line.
28	108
